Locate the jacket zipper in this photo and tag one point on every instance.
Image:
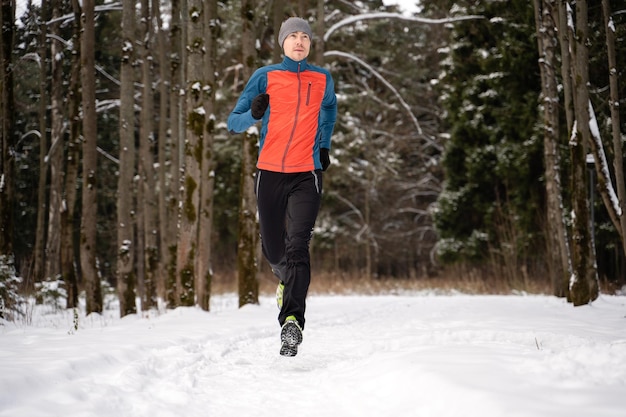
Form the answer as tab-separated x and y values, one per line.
308	93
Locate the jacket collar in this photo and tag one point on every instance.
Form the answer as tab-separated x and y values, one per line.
292	65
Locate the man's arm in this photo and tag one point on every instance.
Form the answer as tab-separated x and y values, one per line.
241	117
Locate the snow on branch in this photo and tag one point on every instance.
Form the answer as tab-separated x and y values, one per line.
110	7
602	164
385	15
404	104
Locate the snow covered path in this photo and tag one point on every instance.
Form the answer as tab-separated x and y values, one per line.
409	355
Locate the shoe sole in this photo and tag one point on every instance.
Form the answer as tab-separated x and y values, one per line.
286	350
291	337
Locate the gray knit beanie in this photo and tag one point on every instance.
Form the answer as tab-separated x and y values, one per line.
291	25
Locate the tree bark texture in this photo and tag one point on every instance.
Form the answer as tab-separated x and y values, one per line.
40	234
618	152
89	206
147	174
556	233
171	229
248	226
55	156
195	119
126	275
204	259
164	145
584	281
7	130
69	260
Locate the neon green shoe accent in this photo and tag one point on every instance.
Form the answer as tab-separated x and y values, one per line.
279	295
291	318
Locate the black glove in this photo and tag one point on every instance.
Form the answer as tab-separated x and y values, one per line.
324	158
259	105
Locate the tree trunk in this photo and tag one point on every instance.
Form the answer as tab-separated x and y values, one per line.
68	253
278	18
566	63
205	274
319	34
556	233
89	207
55	157
195	119
584	281
7	129
170	230
248	226
367	225
146	162
163	145
126	276
40	234
618	152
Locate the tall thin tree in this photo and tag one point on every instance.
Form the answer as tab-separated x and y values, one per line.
40	234
55	157
126	276
205	226
164	146
618	149
187	249
68	253
248	227
557	240
89	219
7	130
584	281
147	174
169	229
277	18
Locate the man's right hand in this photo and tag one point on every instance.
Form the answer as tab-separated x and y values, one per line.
259	105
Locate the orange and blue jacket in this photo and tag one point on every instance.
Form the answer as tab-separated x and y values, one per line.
300	117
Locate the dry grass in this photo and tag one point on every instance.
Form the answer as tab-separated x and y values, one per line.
345	284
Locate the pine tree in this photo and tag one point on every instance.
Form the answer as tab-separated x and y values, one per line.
492	160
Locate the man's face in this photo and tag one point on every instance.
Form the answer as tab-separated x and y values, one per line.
297	46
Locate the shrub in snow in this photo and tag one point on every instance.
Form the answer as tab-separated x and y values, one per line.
51	292
10	300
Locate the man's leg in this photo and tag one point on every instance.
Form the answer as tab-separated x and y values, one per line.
272	205
302	210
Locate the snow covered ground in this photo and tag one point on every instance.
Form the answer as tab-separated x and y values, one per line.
406	355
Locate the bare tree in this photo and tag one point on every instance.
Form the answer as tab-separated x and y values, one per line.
612	195
7	131
126	276
165	216
203	265
584	281
169	229
147	204
89	206
187	249
55	157
618	163
557	239
277	19
319	34
68	259
248	226
40	234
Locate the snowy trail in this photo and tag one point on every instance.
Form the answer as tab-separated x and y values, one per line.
419	355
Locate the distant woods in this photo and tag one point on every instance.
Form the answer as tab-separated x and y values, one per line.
486	137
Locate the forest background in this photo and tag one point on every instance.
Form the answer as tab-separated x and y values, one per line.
478	143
